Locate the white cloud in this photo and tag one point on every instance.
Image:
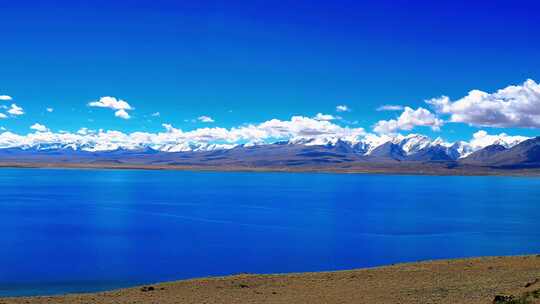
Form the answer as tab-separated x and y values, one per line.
205	118
324	117
409	119
482	139
513	106
111	103
173	139
390	108
39	127
342	108
50	110
155	114
122	114
2	116
297	129
297	126
5	98
84	131
15	110
168	127
118	105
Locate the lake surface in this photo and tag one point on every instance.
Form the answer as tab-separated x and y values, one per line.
87	230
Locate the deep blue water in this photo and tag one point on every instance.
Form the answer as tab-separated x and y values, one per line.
86	230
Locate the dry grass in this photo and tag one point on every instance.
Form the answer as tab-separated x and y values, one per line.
479	280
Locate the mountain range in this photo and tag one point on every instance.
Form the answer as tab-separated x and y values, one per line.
411	150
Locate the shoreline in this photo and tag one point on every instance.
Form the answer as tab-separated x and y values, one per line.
471	280
400	169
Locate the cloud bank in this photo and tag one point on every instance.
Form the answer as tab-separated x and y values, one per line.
513	106
174	139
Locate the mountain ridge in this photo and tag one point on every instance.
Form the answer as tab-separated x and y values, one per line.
295	153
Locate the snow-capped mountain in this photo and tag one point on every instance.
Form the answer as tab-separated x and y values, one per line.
369	148
413	143
526	154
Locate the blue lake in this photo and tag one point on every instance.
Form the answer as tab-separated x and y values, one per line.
86	230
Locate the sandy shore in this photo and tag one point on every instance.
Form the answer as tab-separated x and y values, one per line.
479	280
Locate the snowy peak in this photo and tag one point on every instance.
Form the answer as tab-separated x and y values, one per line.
413	143
396	147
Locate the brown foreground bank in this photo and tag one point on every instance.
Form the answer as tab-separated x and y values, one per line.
407	168
478	280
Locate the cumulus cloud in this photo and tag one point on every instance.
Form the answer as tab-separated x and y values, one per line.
122	114
390	108
155	114
111	103
513	106
15	110
409	119
342	108
2	116
118	105
325	117
50	110
205	118
482	139
39	127
5	98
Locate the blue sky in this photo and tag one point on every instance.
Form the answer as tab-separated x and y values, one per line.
250	61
